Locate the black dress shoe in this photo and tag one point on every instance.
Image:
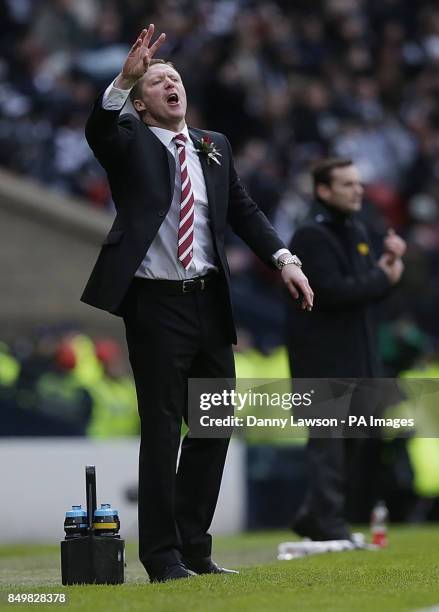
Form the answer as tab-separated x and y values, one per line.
175	571
207	566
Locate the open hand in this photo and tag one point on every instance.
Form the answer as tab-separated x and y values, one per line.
139	58
297	284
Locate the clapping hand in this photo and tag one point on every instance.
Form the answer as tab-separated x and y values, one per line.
394	245
392	266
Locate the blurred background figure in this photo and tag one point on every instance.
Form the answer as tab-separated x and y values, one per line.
339	338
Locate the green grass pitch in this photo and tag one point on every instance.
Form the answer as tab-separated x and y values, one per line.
405	576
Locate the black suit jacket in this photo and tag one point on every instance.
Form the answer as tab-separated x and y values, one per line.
338	338
141	174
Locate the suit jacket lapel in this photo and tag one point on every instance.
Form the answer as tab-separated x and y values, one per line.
196	136
171	164
162	150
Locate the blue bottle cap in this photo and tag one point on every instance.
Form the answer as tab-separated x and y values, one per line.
75	512
106	510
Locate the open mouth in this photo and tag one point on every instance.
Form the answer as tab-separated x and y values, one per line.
172	99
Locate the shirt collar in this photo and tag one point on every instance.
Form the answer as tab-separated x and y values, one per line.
323	213
166	136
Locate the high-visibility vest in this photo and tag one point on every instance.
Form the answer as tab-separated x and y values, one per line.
9	367
424	451
114	410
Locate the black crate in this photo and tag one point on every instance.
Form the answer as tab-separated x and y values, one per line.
93	560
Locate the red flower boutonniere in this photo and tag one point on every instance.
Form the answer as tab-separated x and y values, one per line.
208	148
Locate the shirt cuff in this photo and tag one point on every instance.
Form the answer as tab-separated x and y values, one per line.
114	98
278	253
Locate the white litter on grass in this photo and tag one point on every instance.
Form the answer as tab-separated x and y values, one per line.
296	550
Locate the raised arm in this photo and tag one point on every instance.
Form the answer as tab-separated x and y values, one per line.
106	134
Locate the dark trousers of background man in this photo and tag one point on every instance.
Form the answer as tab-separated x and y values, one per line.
173	337
344	482
343	470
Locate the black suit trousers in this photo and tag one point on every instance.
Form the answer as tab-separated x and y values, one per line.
172	338
342	470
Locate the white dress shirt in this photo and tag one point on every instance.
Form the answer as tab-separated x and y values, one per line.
161	261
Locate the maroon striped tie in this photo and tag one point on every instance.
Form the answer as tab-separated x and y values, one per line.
186	225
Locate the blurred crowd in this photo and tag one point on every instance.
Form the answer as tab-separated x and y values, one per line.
288	82
61	382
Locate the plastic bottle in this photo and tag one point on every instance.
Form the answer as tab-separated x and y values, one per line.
106	521
378	524
75	523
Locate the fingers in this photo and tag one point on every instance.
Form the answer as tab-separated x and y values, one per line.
139	41
305	290
385	260
391	246
143	33
144	40
158	43
293	291
147	37
308	297
136	45
149	34
305	305
297	284
391	259
396	245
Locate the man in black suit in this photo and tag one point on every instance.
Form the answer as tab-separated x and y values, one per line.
163	268
338	339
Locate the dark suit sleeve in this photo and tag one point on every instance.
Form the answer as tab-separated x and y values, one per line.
108	134
332	287
248	221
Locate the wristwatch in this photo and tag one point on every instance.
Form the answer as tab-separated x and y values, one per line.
285	260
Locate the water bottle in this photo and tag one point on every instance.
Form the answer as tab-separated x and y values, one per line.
378	524
75	523
106	521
